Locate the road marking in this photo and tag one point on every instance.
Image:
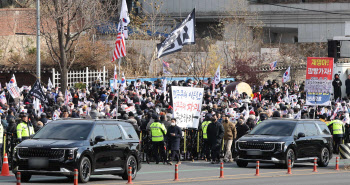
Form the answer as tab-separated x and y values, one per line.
237	178
210	177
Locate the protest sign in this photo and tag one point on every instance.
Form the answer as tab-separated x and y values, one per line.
187	104
318	83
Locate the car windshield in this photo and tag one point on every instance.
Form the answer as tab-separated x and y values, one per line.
64	131
274	128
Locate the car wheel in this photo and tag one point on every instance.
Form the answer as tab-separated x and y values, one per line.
242	164
131	161
290	155
324	157
84	170
25	177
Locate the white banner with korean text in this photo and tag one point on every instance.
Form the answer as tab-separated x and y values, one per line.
187	104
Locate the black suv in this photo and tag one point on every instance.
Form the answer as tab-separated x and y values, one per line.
279	140
91	146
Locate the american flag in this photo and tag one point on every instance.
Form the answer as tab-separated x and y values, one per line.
273	65
14	91
119	50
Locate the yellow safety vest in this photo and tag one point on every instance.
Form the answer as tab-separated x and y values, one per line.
205	125
158	131
337	127
258	122
24	131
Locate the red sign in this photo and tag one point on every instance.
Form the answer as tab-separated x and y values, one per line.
320	68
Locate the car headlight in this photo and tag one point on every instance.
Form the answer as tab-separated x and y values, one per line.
280	146
70	153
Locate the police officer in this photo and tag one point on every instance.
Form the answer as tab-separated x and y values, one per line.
204	127
263	116
158	132
24	129
338	133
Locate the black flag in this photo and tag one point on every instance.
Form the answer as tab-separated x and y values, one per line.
37	92
183	34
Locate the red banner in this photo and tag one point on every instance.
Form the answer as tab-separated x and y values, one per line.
318	67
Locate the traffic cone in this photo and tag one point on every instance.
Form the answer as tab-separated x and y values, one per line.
257	168
18	178
5	167
176	172
315	165
289	167
221	170
129	175
75	176
337	163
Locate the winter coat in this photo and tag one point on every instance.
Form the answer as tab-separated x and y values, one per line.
174	141
337	88
241	130
347	84
166	124
94	114
134	124
250	123
230	130
215	134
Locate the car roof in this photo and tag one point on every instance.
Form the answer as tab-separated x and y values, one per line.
292	120
91	121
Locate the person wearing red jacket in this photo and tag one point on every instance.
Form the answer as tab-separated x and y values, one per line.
257	95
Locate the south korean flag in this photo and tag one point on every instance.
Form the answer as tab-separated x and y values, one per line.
217	76
183	34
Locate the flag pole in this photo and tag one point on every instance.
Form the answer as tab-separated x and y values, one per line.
116	117
38	40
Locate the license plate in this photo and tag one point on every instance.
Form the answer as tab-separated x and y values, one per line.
254	152
38	163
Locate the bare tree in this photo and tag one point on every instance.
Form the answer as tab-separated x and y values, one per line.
65	21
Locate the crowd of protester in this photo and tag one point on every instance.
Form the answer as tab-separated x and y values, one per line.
143	103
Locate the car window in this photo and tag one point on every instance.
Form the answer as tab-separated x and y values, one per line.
311	129
274	128
64	131
300	129
129	132
113	132
98	131
324	128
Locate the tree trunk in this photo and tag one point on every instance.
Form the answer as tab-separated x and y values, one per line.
63	56
64	79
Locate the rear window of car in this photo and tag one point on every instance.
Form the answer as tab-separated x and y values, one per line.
324	128
129	132
113	132
310	129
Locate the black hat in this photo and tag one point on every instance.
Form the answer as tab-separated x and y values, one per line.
22	114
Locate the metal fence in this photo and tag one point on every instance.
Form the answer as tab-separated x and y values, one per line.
83	76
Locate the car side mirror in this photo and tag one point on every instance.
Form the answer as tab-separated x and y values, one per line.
300	134
99	139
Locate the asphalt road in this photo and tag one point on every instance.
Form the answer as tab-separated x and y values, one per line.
200	172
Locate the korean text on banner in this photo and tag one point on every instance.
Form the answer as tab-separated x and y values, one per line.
187	105
318	83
